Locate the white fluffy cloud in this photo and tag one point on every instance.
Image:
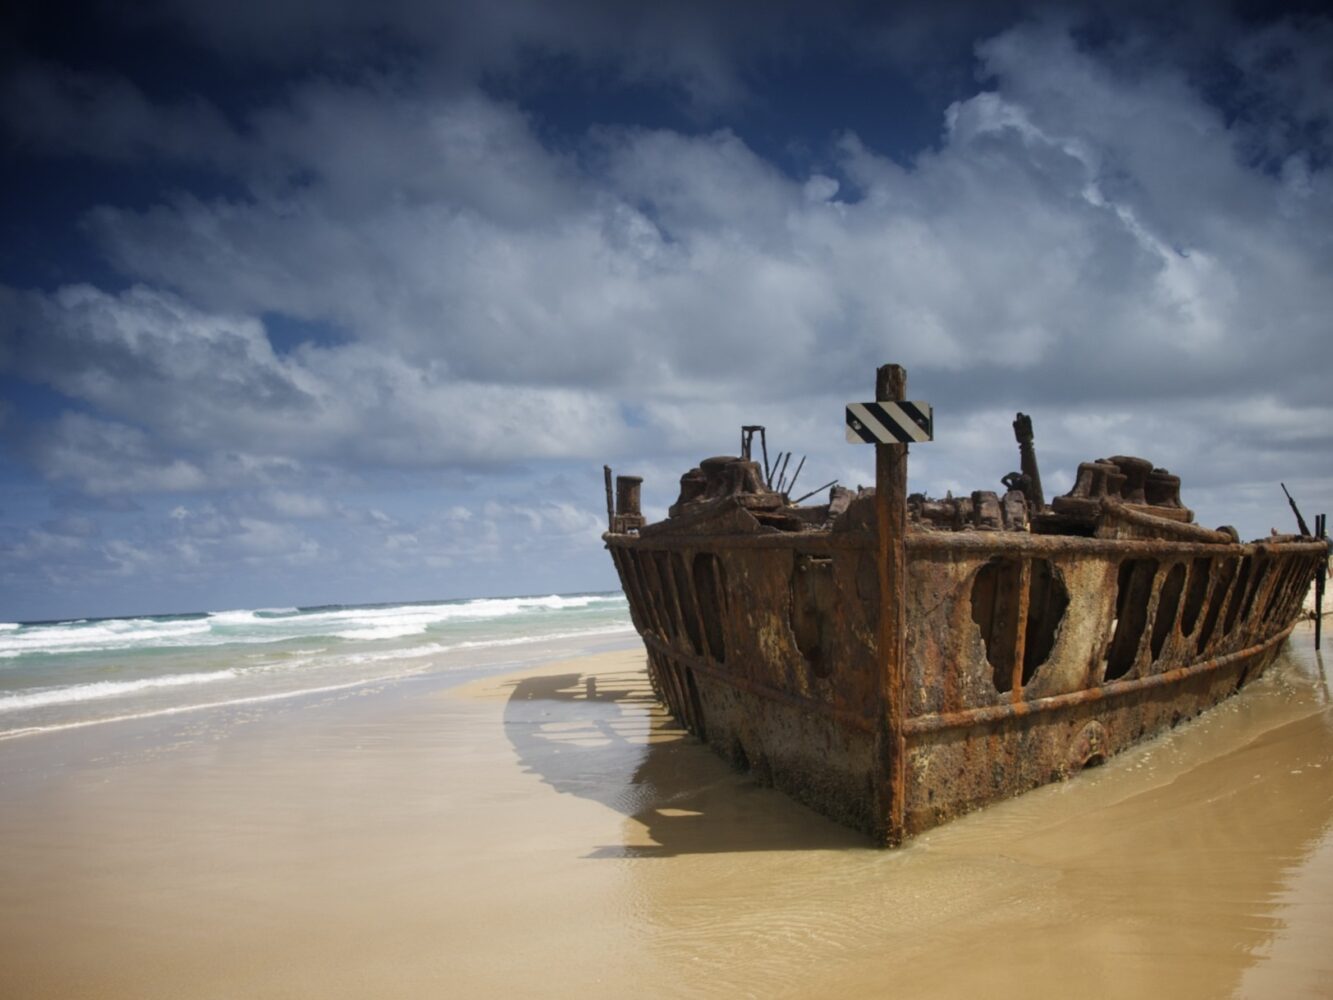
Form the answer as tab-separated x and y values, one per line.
1092	238
1074	220
177	381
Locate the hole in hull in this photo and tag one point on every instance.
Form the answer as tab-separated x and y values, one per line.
1132	597
996	612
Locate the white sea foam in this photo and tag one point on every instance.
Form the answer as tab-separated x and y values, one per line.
522	640
243	626
9	626
73	673
231	618
287	654
105	689
178	709
393	631
435	648
112	634
402	653
257	616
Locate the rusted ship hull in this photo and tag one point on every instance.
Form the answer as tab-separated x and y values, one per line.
1025	656
720	617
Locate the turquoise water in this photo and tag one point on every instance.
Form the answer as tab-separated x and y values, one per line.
74	673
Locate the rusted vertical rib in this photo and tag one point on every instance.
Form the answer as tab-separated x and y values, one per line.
1223	573
891	532
655	585
1320	574
634	560
679	637
610	509
631	591
676	696
1021	628
688	599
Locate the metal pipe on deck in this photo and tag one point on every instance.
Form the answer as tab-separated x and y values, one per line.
1028	461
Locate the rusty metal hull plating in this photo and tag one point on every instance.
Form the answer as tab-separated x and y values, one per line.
1028	657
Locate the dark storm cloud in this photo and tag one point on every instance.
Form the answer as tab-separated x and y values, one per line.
50	108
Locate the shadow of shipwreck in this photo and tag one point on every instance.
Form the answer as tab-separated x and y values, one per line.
606	738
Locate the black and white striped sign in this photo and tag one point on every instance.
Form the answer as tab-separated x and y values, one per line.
890	423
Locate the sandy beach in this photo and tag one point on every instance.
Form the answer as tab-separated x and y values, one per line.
551	833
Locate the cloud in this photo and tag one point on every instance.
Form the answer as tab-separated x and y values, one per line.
1076	220
101	457
699	49
1132	226
49	108
1098	235
178	379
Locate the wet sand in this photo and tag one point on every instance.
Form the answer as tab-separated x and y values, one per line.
552	833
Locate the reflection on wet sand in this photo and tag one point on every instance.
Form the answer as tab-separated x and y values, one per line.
606	738
1191	866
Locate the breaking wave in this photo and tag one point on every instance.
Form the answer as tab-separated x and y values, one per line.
57	675
274	625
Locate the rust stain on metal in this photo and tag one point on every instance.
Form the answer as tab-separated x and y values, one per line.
895	661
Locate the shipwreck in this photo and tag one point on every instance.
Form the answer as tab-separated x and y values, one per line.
895	661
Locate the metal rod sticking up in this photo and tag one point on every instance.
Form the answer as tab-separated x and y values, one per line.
817	489
1305	529
610	504
799	466
1321	529
1028	460
782	476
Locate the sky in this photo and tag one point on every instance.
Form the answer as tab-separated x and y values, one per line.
319	301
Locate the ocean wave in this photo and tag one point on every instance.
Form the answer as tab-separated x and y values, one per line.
390	631
105	689
477	608
436	648
109	634
403	620
522	640
256	616
270	625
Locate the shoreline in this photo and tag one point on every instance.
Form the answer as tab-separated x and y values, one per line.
547	830
541	650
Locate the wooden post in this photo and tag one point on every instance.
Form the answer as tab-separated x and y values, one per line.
891	536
